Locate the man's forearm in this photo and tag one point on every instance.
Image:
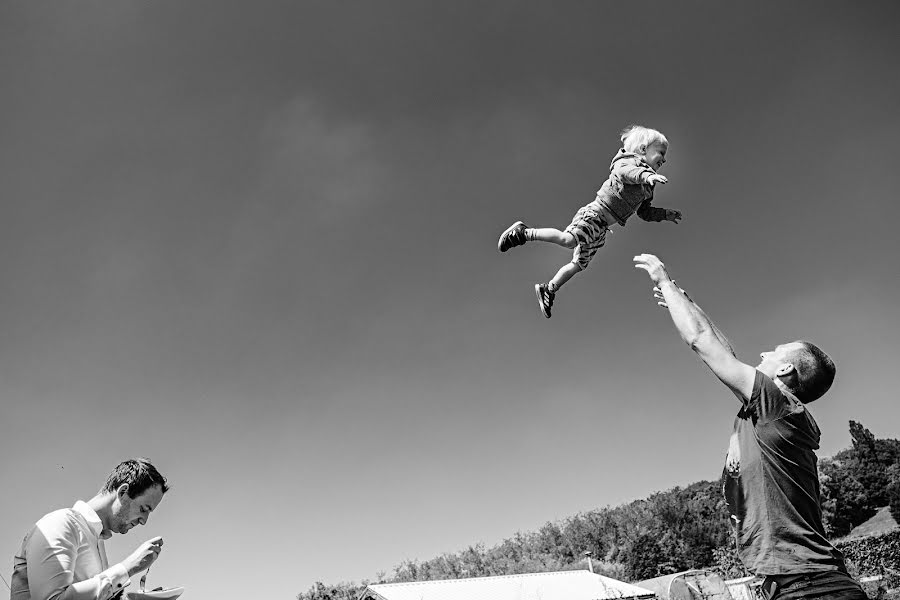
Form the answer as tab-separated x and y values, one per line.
715	329
706	323
99	587
691	320
48	580
698	331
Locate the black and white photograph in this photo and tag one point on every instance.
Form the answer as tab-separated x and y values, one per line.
449	300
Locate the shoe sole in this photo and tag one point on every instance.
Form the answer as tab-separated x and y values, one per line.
504	234
540	297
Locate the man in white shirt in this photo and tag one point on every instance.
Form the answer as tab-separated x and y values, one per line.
63	556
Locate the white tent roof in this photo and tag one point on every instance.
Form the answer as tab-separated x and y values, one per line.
561	585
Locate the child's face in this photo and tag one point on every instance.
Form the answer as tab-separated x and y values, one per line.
655	155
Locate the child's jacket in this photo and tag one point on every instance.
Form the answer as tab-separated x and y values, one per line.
627	191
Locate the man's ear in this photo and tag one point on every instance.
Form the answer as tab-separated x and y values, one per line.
122	490
785	370
642	149
787	373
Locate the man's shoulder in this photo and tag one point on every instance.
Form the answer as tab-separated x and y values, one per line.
763	381
771	400
63	518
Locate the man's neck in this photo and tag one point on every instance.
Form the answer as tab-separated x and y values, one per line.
785	388
102	505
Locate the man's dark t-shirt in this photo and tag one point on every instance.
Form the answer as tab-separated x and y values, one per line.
772	486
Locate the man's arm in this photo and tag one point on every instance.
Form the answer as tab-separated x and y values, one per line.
657	293
698	331
51	553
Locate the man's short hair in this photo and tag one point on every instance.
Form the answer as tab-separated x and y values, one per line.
139	474
815	371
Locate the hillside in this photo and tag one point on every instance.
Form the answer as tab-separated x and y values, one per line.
681	528
881	523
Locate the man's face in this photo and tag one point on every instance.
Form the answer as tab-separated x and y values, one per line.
656	155
771	362
129	512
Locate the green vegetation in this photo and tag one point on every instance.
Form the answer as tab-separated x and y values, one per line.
672	531
875	555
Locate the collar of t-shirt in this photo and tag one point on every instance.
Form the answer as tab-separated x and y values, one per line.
784	390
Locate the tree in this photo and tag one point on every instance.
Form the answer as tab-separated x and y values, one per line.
727	563
844	500
872	460
642	557
857	481
894	491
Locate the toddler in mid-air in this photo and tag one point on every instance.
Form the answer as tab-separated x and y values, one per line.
629	190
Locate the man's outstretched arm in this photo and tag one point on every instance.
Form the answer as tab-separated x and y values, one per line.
657	293
698	331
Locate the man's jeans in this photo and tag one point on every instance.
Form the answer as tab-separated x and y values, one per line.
829	585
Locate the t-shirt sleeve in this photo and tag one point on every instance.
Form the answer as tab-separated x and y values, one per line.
767	403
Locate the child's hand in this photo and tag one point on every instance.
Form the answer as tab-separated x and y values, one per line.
656	178
673	215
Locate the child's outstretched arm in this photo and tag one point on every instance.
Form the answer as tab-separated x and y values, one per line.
631	172
651	213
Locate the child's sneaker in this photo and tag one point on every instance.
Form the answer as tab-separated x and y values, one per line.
512	237
545	298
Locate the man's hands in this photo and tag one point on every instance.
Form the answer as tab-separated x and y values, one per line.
673	215
697	330
654	268
145	555
655	178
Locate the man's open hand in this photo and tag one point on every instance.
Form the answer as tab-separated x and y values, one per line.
653	266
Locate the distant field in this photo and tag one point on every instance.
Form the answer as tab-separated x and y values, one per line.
882	522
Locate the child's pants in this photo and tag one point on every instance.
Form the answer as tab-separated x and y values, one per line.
589	228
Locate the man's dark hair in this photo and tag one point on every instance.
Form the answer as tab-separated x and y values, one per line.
815	372
139	474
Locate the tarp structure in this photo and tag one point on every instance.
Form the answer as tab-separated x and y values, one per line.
689	585
560	585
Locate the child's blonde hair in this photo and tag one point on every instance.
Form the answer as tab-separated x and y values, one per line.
636	136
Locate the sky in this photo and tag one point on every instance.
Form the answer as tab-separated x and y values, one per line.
256	243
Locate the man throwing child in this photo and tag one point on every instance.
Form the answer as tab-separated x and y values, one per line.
770	479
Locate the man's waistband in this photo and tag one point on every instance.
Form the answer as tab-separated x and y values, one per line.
772	585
